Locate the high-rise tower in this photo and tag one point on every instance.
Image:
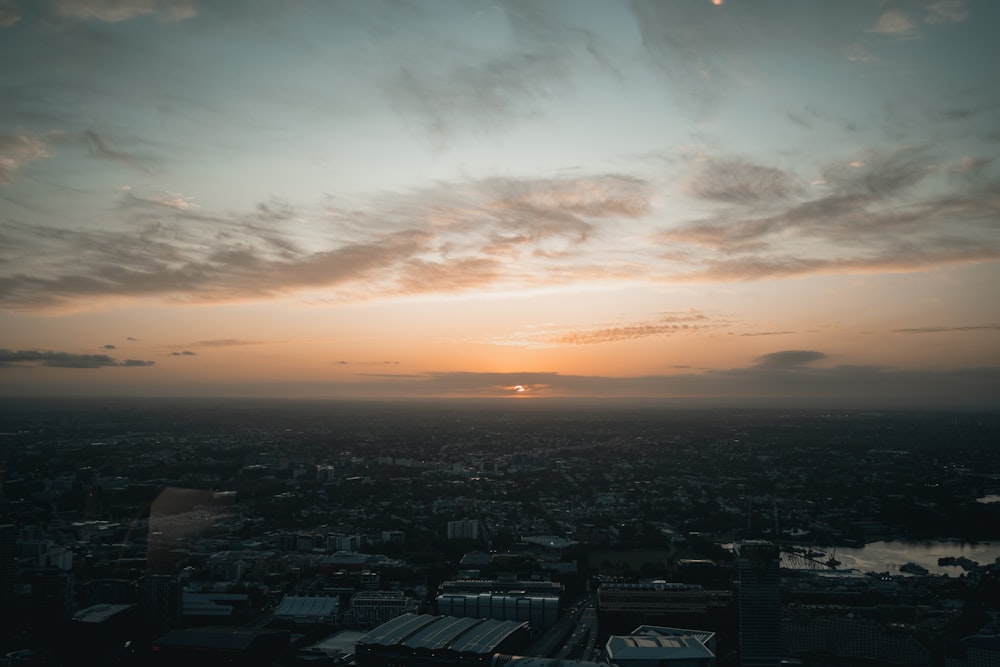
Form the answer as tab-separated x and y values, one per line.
758	573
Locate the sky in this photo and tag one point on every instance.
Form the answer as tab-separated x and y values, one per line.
718	200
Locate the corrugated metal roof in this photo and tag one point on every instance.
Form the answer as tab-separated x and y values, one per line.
99	613
485	637
464	635
397	630
293	605
441	633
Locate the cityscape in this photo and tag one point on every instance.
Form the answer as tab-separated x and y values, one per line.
500	333
152	531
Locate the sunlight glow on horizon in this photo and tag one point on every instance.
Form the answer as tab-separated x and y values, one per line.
498	199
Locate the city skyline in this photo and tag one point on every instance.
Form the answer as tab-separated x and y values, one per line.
719	200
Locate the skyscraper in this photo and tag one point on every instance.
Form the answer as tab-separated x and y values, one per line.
758	573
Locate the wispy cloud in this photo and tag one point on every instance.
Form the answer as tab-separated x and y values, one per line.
114	11
894	22
10	13
441	239
17	150
667	324
225	342
946	11
766	333
696	61
101	147
862	217
943	329
63	359
741	182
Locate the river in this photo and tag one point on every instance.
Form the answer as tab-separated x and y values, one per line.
887	556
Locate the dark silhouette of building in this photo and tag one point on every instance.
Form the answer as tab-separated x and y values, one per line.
759	599
221	646
162	601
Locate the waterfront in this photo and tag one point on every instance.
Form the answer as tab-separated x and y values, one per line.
888	556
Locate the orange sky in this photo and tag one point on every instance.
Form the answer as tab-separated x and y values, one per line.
619	199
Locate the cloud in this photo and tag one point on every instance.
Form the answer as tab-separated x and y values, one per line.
940	329
114	11
10	13
788	359
946	11
344	362
904	259
858	53
225	342
63	359
863	216
503	233
495	93
695	60
185	353
445	238
17	150
894	22
450	85
100	147
137	362
971	167
740	181
667	324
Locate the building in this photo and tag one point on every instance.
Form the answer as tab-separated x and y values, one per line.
464	529
977	651
211	608
502	585
654	646
826	638
52	592
350	543
371	608
99	633
439	641
548	547
529	661
221	646
540	612
161	602
8	570
759	601
307	610
622	606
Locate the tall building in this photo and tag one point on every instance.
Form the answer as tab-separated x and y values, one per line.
759	595
161	603
8	569
463	529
